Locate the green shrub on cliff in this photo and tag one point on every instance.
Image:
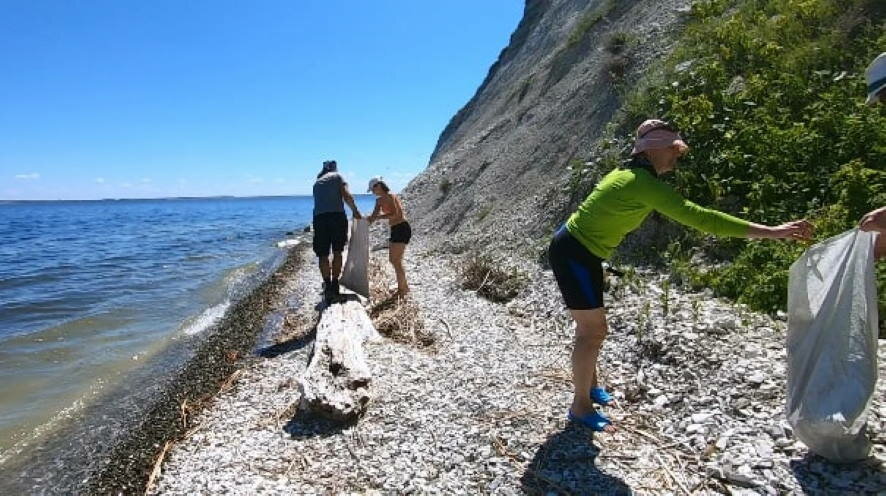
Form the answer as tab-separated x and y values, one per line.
770	96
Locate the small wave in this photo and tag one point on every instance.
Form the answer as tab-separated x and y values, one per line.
206	319
288	243
238	277
200	257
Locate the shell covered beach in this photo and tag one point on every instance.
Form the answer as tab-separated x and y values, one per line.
469	396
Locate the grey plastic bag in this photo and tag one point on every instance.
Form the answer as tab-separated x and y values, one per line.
832	345
355	275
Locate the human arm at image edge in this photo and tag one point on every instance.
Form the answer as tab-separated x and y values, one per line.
664	199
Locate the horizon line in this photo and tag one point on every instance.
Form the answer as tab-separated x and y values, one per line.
210	197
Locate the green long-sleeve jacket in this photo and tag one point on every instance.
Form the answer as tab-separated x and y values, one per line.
623	199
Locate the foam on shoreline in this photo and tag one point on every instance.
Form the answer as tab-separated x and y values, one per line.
110	444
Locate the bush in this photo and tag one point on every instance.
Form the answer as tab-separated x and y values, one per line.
770	96
619	41
445	185
615	67
490	280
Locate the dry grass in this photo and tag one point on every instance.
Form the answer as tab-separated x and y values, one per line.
490	280
395	318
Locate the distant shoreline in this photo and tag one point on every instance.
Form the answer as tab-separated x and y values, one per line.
171	198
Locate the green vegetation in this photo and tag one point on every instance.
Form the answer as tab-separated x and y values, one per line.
665	298
524	89
445	185
483	213
618	56
620	41
770	96
587	21
615	67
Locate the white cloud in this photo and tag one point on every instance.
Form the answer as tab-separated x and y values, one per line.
126	185
279	180
256	180
146	180
100	180
28	177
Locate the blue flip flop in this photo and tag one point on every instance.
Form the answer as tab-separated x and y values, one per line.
601	397
595	421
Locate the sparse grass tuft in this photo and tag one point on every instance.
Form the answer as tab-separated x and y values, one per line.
587	21
492	281
445	185
524	89
616	66
396	318
484	212
619	41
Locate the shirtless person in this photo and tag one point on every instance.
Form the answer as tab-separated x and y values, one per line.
388	206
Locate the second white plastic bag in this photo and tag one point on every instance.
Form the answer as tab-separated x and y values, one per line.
832	345
355	275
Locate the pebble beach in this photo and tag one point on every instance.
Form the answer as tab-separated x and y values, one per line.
700	384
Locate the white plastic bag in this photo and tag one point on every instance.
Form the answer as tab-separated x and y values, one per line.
355	275
832	345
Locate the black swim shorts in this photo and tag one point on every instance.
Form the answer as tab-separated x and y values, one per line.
579	273
330	232
401	233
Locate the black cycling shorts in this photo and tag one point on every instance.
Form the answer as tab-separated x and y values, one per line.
330	232
401	233
579	272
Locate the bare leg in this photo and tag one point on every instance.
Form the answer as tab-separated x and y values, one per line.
336	265
395	255
324	268
590	331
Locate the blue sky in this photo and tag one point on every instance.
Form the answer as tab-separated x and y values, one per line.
134	99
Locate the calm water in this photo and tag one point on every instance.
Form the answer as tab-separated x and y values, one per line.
89	290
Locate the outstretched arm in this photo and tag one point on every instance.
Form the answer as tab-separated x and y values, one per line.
797	229
874	220
349	199
664	199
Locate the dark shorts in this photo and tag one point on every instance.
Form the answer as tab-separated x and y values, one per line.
330	232
579	273
401	233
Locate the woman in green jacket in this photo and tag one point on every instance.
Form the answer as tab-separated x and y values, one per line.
617	206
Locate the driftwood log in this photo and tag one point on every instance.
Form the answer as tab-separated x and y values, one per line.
336	382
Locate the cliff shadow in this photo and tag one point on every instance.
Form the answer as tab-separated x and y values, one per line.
565	464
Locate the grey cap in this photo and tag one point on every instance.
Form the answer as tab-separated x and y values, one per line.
372	182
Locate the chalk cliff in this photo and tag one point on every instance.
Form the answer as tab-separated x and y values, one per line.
499	172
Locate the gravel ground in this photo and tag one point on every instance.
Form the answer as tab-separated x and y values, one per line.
700	381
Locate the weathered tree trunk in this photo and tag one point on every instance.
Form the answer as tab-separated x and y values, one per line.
336	382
